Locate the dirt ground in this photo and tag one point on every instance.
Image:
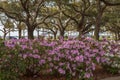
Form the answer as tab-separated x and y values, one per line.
99	74
112	78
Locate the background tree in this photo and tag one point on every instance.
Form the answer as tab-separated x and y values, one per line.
77	11
26	11
20	26
8	26
56	15
101	6
112	20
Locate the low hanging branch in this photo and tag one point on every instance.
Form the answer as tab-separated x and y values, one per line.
109	3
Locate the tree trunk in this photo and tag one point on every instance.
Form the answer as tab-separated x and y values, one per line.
55	35
97	30
9	33
24	33
20	32
80	25
119	36
115	36
38	33
79	29
80	33
98	20
4	36
62	32
30	33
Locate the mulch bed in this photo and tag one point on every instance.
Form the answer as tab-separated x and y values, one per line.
102	73
99	74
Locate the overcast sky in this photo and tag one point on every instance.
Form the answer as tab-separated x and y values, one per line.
12	33
15	33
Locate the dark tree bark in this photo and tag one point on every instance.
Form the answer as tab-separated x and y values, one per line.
30	33
62	32
100	10
98	21
20	32
55	35
38	33
80	26
4	36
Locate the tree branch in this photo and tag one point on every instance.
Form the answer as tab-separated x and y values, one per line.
9	14
39	4
110	4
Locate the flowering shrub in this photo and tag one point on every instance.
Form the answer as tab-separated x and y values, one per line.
113	66
69	58
113	55
76	57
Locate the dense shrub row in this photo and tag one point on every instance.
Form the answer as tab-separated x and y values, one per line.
68	58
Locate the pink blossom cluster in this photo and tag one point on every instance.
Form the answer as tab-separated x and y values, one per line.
73	56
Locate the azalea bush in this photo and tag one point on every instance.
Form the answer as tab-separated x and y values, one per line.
22	57
69	58
113	66
113	54
76	57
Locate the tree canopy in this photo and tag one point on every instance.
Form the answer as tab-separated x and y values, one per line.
83	16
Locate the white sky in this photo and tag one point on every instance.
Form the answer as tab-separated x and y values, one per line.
15	33
12	33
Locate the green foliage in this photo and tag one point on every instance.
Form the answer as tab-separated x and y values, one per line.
31	12
9	24
21	26
10	64
25	57
110	69
14	64
114	65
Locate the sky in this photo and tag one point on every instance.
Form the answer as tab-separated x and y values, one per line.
12	33
15	33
